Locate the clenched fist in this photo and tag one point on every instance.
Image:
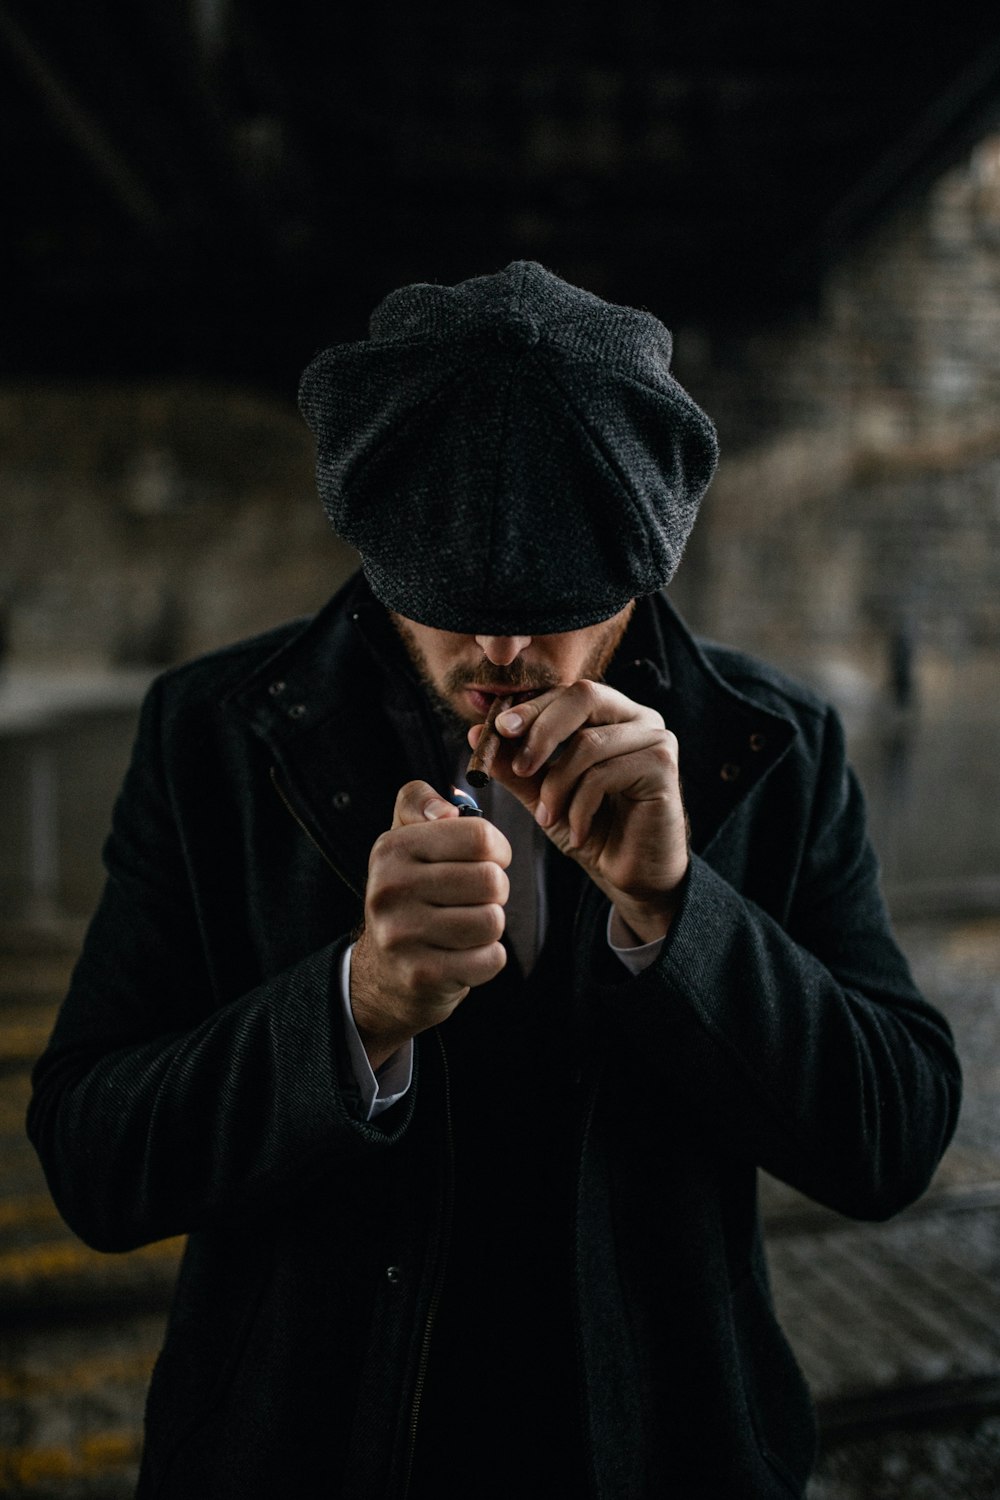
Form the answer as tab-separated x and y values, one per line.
433	919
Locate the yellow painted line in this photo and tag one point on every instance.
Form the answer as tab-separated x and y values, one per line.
24	1041
89	1459
68	1258
36	1208
12	1117
77	1379
15	1091
34	987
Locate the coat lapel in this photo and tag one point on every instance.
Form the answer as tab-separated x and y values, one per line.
346	725
727	742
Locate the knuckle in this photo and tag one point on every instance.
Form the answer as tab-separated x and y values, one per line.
382	847
420	975
390	848
377	898
487	962
501	853
391	933
385	891
593	775
479	837
586	692
498	957
666	748
592	735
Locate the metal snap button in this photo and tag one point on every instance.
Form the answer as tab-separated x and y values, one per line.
758	741
276	688
393	1275
341	801
729	771
297	711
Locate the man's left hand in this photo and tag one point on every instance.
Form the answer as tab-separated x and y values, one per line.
610	798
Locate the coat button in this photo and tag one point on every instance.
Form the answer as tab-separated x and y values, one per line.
276	688
758	741
341	801
729	771
297	711
393	1275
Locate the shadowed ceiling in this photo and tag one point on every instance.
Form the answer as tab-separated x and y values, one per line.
217	188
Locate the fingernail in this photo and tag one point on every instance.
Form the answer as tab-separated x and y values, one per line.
542	815
511	720
436	810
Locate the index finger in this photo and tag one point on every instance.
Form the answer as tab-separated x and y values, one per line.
545	722
455	840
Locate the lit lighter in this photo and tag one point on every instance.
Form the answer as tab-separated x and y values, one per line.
467	806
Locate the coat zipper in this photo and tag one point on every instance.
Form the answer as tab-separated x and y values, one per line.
439	1279
312	837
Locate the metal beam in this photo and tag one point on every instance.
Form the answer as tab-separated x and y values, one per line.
86	134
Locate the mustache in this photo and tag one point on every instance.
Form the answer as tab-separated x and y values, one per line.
517	677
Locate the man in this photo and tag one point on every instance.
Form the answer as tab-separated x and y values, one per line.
462	1116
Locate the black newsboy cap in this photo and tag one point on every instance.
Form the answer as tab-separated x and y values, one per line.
510	455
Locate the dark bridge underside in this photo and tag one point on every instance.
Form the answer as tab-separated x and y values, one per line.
216	188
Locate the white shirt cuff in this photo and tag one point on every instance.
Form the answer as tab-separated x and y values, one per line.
621	942
381	1090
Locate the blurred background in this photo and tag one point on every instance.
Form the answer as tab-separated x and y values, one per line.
196	198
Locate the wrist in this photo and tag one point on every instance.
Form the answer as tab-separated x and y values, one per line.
641	925
379	1031
648	920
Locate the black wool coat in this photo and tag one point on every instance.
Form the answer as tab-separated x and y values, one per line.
557	1226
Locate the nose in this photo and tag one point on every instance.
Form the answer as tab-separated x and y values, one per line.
501	650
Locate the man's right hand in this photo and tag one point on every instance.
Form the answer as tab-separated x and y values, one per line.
433	919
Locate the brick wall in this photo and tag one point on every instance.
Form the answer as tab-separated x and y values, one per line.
142	525
853	532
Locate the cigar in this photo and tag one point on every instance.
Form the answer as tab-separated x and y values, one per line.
481	764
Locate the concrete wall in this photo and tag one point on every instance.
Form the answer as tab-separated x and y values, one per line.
138	527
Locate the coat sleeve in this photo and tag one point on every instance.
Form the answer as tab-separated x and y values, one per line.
803	1044
158	1111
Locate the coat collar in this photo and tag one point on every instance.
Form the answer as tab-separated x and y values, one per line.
728	741
346	722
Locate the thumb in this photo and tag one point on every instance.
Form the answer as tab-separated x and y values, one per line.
418	802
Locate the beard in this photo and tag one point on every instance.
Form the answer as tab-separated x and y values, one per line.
518	677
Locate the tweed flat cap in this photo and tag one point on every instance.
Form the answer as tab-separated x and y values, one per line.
510	455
